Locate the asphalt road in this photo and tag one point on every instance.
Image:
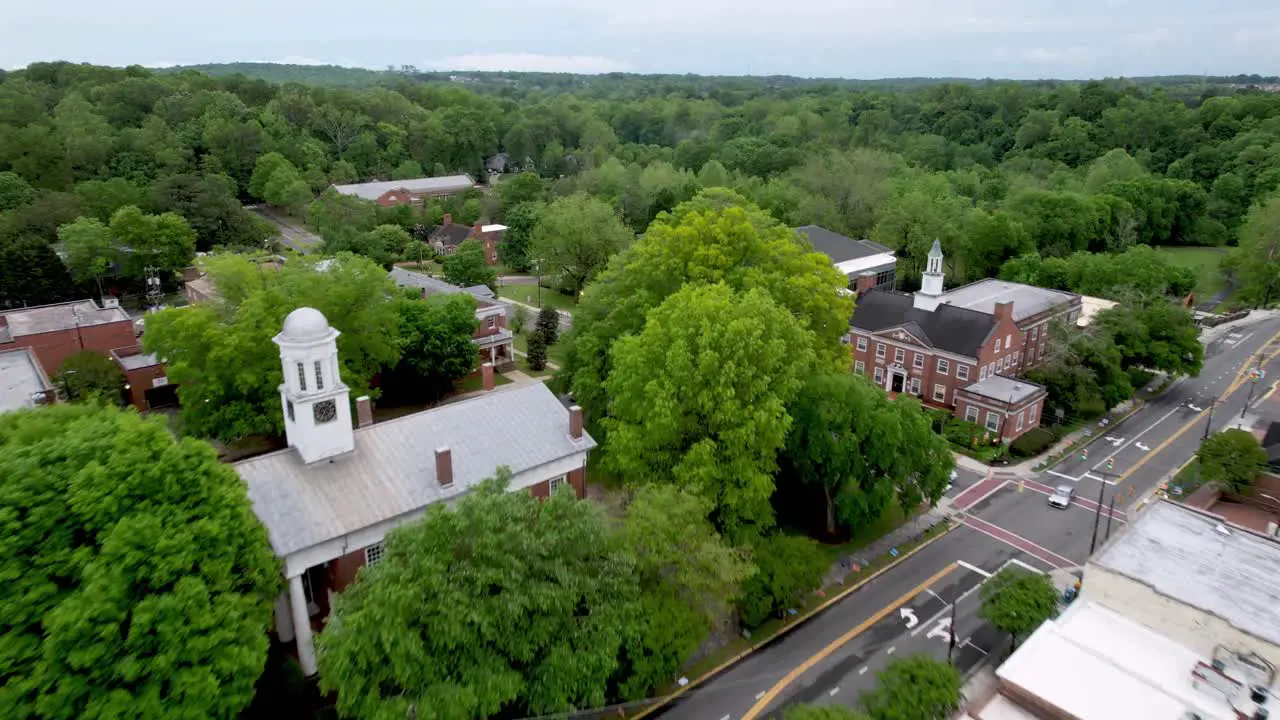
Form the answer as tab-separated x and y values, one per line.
835	656
290	234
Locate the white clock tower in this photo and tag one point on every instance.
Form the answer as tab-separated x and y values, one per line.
930	293
317	411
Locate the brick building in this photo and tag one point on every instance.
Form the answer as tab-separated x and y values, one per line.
854	258
962	350
446	238
388	193
330	498
494	340
56	332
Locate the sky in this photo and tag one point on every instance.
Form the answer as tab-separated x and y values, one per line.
1021	39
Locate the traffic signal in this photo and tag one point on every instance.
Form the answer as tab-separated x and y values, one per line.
1111	464
1084	454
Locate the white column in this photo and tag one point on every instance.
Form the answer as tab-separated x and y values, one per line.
302	626
284	618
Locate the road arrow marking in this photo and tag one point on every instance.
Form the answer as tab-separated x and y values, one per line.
1116	441
833	692
1193	407
910	616
941	630
1142	447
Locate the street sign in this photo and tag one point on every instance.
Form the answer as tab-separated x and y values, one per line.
909	616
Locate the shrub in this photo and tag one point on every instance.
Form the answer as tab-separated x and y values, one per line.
1032	442
537	351
548	325
788	567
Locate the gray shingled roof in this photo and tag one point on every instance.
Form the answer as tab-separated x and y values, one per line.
451	235
953	329
392	470
837	247
1181	554
409	278
1027	300
1004	389
375	190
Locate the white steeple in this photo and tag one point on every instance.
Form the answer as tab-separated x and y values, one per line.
930	293
317	412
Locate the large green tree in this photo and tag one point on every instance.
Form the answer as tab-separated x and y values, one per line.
574	239
699	398
436	345
466	266
1154	334
863	450
221	352
137	581
1232	457
914	688
1017	601
91	376
1256	263
504	604
31	273
717	237
788	569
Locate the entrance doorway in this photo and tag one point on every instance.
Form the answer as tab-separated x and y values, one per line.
897	382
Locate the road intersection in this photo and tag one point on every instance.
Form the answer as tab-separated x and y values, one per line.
1003	518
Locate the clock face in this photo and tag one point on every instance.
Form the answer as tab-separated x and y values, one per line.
325	411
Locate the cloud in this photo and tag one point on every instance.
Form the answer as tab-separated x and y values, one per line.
1074	55
1157	37
530	62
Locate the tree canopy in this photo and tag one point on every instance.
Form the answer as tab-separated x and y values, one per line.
574	239
436	344
1017	601
699	398
914	688
1154	334
1232	457
504	604
863	450
466	266
91	376
221	354
138	582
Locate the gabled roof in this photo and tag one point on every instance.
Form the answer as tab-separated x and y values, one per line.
949	328
451	235
408	278
838	247
375	190
392	470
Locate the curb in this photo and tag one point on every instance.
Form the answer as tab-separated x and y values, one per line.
713	672
1097	436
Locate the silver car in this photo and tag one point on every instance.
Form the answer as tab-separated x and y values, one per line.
1062	496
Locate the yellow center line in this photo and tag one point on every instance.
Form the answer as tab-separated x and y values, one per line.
1239	380
772	693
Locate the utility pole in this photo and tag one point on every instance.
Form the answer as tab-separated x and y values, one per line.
1111	510
1254	374
1209	424
1097	517
951	647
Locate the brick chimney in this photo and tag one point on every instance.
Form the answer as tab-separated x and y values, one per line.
865	282
486	376
448	219
444	467
364	411
1003	311
575	422
477	230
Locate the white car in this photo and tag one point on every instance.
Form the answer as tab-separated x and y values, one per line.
1062	496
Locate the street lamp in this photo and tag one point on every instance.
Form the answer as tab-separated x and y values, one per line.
537	268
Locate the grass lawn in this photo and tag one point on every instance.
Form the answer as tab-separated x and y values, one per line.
555	353
1204	261
471	383
528	294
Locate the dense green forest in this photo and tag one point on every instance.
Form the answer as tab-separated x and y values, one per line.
996	170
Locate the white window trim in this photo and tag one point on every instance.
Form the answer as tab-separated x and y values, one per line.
1020	419
982	373
556	483
879	376
991	415
1008	341
862	344
917	361
1035	332
373	554
859	368
880	350
319	376
997	345
1031	414
943	366
915	386
962	372
971	414
899	355
939	389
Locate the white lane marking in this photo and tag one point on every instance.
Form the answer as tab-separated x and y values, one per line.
890	650
863	671
1064	475
726	717
833	691
971	568
1133	439
759	694
931	592
1016	561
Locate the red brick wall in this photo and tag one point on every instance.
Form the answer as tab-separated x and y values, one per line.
1008	429
929	375
53	348
483	329
577	480
342	571
140	381
1010	337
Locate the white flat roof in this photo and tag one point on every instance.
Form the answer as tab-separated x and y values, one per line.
1095	664
1090	306
20	378
1002	708
492	228
857	265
